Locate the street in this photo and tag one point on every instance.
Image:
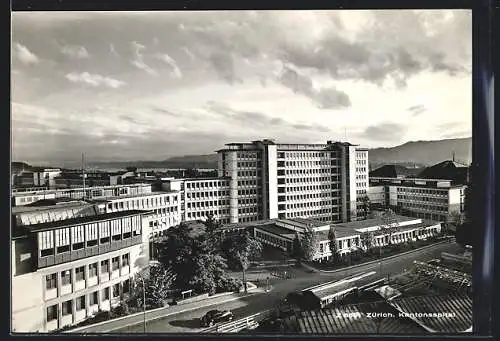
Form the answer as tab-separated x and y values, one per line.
189	321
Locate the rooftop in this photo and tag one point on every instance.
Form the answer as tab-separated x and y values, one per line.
277	230
51	191
355	225
49	206
83	220
139	195
304	221
457	172
393	171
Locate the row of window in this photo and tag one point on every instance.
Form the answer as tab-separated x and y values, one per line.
310	188
248	164
305	180
89	235
298	172
304	163
247	201
66	275
202	204
302	155
309	204
204	214
81	303
413	205
361	177
422	190
361	162
309	196
272	239
247	183
249	173
206	184
142	203
209	194
423	199
250	191
248	210
249	219
247	155
313	213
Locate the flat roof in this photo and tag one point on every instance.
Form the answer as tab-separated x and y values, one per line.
277	230
76	189
305	221
62	206
128	196
83	220
371	222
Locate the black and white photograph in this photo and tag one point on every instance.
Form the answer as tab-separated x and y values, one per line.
241	171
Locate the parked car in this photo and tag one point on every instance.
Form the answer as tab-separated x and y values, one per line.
216	316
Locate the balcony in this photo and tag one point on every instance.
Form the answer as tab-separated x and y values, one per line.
92	281
80	315
104	277
50	294
115	273
79	285
66	320
93	309
52	325
125	270
65	289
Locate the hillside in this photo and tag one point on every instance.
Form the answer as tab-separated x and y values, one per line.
424	152
410	154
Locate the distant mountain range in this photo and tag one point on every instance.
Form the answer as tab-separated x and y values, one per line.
411	154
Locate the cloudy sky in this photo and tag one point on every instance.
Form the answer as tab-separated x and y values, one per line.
148	86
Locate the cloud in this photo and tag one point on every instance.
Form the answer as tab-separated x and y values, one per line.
24	55
261	121
325	98
171	62
94	80
112	50
138	60
384	132
75	52
416	110
223	64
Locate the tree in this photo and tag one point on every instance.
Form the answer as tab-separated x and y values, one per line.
213	232
297	251
310	243
389	224
367	239
332	242
157	285
245	248
366	206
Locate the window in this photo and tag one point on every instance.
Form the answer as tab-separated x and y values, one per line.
93	298
80	273
62	240
92	270
116	290
104	266
52	313
78	237
46	243
126	286
80	303
116	263
67	308
91	231
66	277
126	260
51	281
105	294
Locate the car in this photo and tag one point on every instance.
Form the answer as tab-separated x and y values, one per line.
216	316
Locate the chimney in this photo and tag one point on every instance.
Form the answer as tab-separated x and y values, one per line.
453	156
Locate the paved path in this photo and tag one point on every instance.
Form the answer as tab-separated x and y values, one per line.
188	321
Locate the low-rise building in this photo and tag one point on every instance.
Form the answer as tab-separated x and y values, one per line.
280	233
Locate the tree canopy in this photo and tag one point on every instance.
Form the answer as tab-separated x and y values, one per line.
310	243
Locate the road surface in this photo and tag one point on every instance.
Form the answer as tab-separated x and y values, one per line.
189	321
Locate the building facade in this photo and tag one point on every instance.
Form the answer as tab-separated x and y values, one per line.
65	271
431	199
269	180
23	197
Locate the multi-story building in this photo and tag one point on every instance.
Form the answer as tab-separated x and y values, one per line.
65	270
432	199
201	197
269	180
25	197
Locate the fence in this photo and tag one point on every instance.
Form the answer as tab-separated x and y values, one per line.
248	322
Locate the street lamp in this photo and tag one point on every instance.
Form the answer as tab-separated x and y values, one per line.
143	298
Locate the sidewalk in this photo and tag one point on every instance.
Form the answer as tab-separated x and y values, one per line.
137	318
